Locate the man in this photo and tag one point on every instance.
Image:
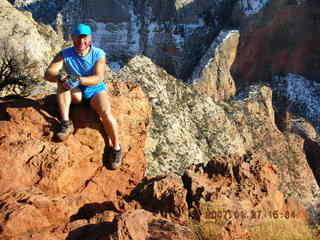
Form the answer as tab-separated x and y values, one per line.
85	66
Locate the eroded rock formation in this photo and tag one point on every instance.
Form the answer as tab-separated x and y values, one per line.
39	42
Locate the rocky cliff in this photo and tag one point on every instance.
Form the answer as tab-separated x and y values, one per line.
66	191
241	136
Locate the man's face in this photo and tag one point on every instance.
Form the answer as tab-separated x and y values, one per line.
82	42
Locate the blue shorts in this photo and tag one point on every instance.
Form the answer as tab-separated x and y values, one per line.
88	92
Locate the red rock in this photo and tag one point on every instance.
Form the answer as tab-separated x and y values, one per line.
280	39
44	182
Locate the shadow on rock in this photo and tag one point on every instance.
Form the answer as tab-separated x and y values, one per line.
92	209
46	106
312	151
163	194
91	231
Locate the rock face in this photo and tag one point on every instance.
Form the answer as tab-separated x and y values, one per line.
250	7
168	32
186	127
42	11
189	128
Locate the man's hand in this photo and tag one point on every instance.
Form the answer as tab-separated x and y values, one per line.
70	82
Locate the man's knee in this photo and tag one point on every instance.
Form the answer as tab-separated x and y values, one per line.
76	100
60	89
105	112
100	103
76	95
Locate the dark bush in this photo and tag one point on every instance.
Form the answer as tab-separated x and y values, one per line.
15	69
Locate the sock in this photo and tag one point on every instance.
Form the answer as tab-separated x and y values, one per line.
117	148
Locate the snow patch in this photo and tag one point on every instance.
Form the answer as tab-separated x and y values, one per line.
134	35
302	93
250	7
115	66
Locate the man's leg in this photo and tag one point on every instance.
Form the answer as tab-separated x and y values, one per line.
101	104
65	97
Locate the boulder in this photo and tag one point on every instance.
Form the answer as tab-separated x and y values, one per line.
164	194
38	41
140	224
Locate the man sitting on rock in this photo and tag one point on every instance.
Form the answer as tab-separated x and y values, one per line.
85	66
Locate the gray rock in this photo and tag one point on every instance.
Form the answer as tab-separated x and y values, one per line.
186	127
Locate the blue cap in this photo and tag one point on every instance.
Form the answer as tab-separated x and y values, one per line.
81	29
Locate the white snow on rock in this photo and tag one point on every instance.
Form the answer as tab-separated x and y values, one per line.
250	7
115	66
303	94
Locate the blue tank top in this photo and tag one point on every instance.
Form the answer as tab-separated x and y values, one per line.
83	66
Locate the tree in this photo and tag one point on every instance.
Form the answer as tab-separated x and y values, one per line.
15	69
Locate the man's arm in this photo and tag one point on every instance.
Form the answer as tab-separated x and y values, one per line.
98	74
53	70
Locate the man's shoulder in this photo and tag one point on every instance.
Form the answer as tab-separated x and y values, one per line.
98	50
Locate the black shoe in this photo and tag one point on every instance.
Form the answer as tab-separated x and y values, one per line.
66	129
116	159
